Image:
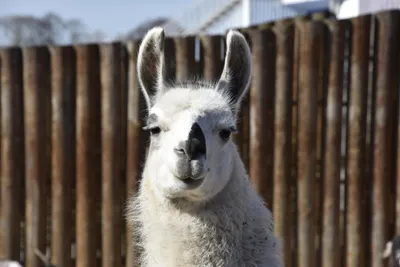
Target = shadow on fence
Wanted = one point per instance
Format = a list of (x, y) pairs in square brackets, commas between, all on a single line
[(318, 134)]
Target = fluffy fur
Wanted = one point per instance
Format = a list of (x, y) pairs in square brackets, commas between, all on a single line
[(392, 251), (218, 220)]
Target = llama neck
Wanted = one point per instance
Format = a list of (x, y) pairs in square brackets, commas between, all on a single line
[(238, 185)]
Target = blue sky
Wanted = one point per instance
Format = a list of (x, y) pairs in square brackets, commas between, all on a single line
[(110, 16)]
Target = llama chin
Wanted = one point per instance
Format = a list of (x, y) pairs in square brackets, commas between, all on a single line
[(196, 205)]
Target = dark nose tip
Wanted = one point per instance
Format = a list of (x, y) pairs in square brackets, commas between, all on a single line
[(195, 146)]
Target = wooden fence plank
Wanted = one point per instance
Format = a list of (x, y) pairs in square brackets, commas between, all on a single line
[(1, 218), (170, 60), (397, 174), (37, 107), (111, 153), (185, 58), (262, 112), (356, 144), (124, 142), (0, 140), (211, 53), (283, 136), (333, 115), (387, 79), (63, 153), (309, 33), (88, 155), (12, 152), (344, 144), (295, 141), (136, 145), (322, 49), (369, 146)]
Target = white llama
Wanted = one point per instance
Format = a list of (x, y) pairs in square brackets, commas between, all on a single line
[(392, 251), (195, 206)]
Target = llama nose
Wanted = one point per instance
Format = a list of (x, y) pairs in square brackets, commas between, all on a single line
[(195, 146)]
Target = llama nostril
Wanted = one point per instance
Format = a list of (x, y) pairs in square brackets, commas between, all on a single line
[(180, 151), (191, 149), (197, 142)]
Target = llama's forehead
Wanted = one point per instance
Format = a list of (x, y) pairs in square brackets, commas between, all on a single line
[(201, 99), (193, 103)]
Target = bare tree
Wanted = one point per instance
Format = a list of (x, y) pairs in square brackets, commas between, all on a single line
[(47, 30), (76, 31)]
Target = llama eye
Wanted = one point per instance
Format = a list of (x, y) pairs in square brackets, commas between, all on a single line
[(155, 130), (225, 134)]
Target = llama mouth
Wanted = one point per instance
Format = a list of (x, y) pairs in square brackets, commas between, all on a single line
[(192, 182)]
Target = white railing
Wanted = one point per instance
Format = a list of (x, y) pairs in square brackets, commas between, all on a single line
[(204, 12)]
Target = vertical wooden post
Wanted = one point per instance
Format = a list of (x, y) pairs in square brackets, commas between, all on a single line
[(136, 146), (333, 118), (37, 97), (111, 153), (88, 155), (387, 80), (185, 60), (283, 136), (309, 32), (12, 152), (170, 60), (211, 54), (262, 112), (356, 142), (63, 153), (124, 65)]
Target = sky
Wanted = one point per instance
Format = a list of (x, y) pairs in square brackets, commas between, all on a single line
[(112, 17)]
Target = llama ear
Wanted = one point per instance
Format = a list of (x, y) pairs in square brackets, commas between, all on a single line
[(235, 78), (151, 64)]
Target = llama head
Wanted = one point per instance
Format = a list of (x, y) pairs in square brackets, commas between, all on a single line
[(191, 154)]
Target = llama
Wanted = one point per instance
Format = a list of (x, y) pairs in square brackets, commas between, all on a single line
[(9, 264), (195, 204), (392, 251)]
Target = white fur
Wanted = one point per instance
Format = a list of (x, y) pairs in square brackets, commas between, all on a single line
[(9, 264), (388, 250), (392, 251), (222, 222)]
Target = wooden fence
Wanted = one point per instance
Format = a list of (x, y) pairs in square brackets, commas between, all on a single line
[(318, 134)]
